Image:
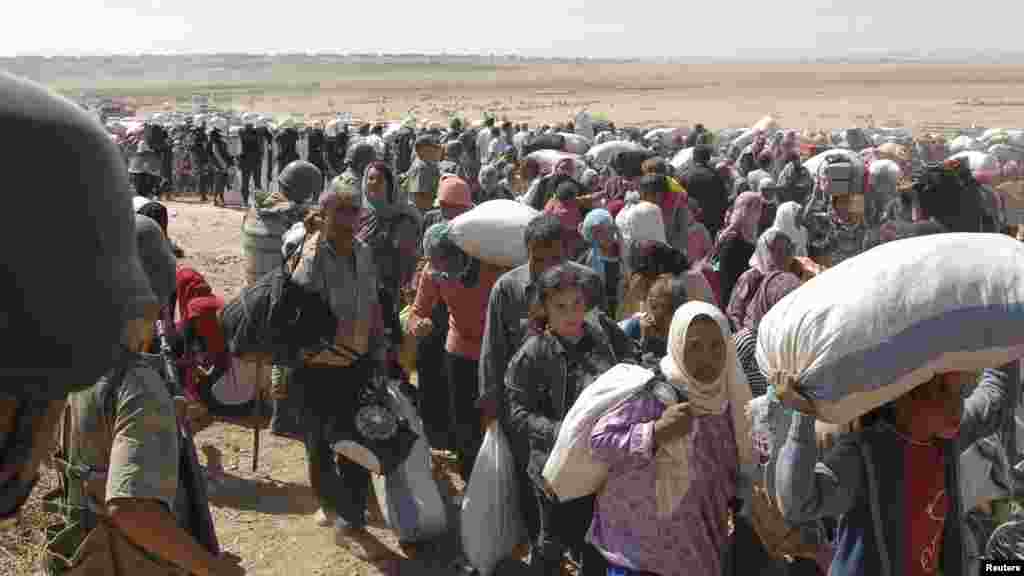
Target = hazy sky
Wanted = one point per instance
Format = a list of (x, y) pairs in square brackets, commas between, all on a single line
[(597, 28)]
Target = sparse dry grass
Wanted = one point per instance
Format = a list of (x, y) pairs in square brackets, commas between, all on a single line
[(22, 543)]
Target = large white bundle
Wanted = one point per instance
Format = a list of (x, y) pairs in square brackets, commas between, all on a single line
[(493, 232), (575, 143), (547, 159), (767, 125), (979, 162), (682, 160), (881, 323), (963, 143), (571, 471), (603, 153)]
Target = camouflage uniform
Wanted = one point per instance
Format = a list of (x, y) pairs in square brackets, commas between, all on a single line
[(835, 239), (121, 443)]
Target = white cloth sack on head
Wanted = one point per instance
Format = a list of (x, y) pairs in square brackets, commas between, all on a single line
[(492, 526), (603, 153), (683, 159), (571, 471), (493, 232), (877, 325), (575, 143)]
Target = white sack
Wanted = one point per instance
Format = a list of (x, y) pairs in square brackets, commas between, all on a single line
[(682, 160), (574, 143), (877, 325), (492, 526), (603, 153), (962, 143), (571, 471), (978, 161), (766, 125), (493, 232), (547, 159)]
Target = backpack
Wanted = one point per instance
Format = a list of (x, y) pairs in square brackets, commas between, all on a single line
[(277, 316)]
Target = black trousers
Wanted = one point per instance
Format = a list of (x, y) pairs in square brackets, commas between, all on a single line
[(249, 171), (330, 400), (220, 184), (564, 526), (465, 416), (205, 183), (432, 382)]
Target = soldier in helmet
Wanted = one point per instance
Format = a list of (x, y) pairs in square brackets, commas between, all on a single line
[(251, 159)]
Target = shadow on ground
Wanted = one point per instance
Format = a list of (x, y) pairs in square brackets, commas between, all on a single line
[(265, 496)]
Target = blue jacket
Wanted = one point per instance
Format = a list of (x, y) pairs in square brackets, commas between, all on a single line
[(848, 485)]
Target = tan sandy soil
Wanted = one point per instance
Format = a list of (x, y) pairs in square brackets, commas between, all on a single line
[(815, 96)]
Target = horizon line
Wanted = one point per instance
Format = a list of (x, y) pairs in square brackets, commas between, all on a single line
[(880, 57)]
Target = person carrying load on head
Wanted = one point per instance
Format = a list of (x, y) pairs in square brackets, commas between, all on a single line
[(463, 284)]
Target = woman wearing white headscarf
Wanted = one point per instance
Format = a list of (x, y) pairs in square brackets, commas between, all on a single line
[(787, 220), (675, 452)]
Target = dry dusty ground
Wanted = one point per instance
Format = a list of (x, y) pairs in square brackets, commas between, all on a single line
[(812, 96)]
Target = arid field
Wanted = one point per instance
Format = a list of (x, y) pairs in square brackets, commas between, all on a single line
[(267, 517)]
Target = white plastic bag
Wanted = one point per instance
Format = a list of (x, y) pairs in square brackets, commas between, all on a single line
[(877, 325), (493, 232), (571, 471), (491, 523)]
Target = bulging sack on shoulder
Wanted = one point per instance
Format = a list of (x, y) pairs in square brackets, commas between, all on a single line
[(877, 325), (493, 232), (571, 471)]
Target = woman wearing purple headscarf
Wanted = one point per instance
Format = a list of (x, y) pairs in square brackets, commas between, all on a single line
[(735, 244), (772, 256)]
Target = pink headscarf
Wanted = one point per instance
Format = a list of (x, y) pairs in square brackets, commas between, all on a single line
[(745, 217)]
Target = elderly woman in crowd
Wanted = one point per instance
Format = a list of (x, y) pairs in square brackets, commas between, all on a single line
[(773, 256)]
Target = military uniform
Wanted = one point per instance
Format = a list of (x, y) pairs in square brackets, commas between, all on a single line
[(833, 240), (120, 441)]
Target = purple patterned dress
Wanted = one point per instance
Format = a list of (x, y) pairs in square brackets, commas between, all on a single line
[(627, 528)]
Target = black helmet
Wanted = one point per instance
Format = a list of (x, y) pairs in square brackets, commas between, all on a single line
[(300, 181)]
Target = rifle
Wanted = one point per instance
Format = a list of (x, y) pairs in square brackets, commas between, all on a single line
[(191, 504)]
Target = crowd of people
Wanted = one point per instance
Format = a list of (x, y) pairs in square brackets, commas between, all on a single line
[(634, 262)]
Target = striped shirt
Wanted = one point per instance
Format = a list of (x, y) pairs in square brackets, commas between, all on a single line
[(746, 348)]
